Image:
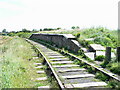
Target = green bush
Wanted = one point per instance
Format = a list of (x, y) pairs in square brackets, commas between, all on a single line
[(85, 43), (115, 68), (104, 64), (23, 34), (11, 34), (101, 76), (100, 58), (114, 84), (81, 52), (76, 61), (20, 34), (91, 69), (77, 35), (103, 41)]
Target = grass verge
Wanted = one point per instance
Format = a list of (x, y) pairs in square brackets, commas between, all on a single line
[(17, 64)]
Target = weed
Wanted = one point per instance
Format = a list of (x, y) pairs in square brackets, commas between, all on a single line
[(17, 70), (114, 84), (101, 76), (100, 58), (115, 67)]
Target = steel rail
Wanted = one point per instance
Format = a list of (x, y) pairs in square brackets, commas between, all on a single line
[(50, 66), (108, 73)]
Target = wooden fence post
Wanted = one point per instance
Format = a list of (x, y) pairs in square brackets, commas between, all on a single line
[(118, 54), (108, 54)]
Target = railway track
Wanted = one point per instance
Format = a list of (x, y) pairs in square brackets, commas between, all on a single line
[(66, 72)]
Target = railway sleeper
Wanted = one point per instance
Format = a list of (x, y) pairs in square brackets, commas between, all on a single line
[(67, 77)]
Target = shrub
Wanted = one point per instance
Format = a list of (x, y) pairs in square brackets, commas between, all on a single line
[(81, 52), (77, 61), (82, 42), (11, 34), (77, 35), (114, 84), (115, 68), (85, 43), (105, 41), (101, 76), (100, 58), (23, 34), (91, 69)]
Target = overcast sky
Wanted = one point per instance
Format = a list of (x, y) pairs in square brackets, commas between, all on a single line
[(36, 14)]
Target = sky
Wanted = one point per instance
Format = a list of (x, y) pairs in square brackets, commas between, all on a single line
[(36, 14)]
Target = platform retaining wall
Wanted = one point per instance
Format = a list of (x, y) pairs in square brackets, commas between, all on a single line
[(62, 40)]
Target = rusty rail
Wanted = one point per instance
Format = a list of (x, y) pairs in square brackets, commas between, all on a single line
[(108, 73)]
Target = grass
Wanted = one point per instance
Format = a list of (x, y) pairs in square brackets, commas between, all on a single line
[(114, 67), (102, 35), (16, 63)]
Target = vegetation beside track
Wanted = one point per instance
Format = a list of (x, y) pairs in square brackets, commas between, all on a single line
[(17, 64), (98, 74), (101, 36)]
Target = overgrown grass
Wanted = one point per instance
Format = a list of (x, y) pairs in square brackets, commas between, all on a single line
[(102, 36), (114, 67), (21, 34), (100, 58), (17, 68)]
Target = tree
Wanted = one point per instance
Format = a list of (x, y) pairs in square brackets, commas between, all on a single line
[(4, 31), (25, 30), (58, 28), (73, 27), (34, 30), (77, 27), (40, 29)]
